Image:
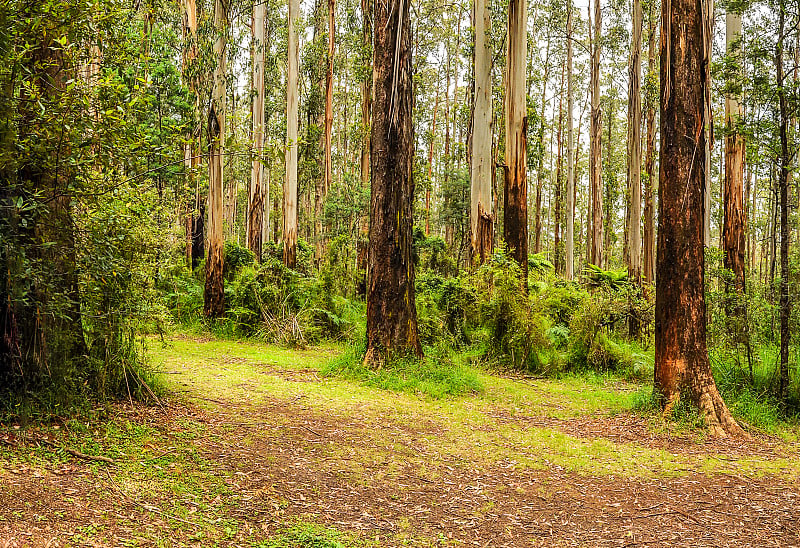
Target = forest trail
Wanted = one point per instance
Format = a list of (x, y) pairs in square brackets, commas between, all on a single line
[(259, 450)]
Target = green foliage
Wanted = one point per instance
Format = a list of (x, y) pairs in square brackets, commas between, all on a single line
[(435, 376), (596, 277), (306, 535), (235, 258)]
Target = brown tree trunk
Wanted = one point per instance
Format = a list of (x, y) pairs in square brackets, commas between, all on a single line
[(391, 304), (635, 151), (430, 163), (569, 230), (515, 190), (558, 246), (783, 189), (681, 357), (648, 240), (366, 116), (537, 239), (733, 227), (214, 295), (595, 146)]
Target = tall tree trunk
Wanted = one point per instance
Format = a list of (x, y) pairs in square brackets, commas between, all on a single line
[(191, 156), (785, 161), (255, 203), (569, 233), (708, 38), (537, 239), (649, 241), (595, 146), (292, 96), (635, 149), (430, 163), (515, 190), (391, 305), (558, 246), (366, 117), (481, 219), (681, 356), (214, 295), (733, 227)]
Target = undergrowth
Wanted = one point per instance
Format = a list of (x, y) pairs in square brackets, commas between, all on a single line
[(435, 376)]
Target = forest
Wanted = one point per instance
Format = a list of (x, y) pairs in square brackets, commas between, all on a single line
[(399, 272)]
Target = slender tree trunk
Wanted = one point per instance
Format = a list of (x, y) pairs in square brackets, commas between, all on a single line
[(733, 227), (595, 146), (708, 38), (569, 234), (515, 191), (430, 163), (255, 205), (191, 152), (214, 295), (558, 246), (391, 305), (366, 116), (785, 161), (327, 142), (635, 148), (481, 219), (537, 240), (649, 241), (681, 356), (292, 95)]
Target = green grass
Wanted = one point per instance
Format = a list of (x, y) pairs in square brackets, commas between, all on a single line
[(309, 535), (434, 376)]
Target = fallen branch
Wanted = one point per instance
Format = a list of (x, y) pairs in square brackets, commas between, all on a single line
[(78, 454)]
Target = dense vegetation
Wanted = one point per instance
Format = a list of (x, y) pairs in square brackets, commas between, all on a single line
[(104, 132)]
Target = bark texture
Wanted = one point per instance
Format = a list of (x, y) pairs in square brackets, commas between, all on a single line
[(649, 240), (258, 190), (569, 230), (733, 227), (481, 220), (595, 145), (635, 148), (214, 295), (391, 305), (292, 120), (681, 357), (515, 190)]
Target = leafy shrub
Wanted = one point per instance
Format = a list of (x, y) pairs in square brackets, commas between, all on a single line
[(235, 258)]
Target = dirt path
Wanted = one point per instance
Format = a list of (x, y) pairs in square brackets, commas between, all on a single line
[(227, 472)]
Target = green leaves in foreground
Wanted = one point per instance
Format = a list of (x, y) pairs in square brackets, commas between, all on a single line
[(306, 535), (433, 376)]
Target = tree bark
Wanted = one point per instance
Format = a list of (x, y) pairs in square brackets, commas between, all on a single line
[(214, 295), (366, 116), (733, 227), (255, 203), (635, 148), (481, 219), (569, 233), (595, 146), (292, 96), (391, 305), (537, 225), (515, 190), (681, 355), (785, 160), (649, 241)]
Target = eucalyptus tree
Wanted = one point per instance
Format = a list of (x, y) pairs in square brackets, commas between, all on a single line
[(258, 189), (214, 294), (515, 190), (595, 146), (569, 232), (634, 158), (391, 304), (481, 219), (651, 100), (292, 122), (682, 365)]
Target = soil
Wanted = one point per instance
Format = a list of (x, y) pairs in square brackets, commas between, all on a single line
[(283, 460)]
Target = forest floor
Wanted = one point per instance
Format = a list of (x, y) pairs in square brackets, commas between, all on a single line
[(253, 448)]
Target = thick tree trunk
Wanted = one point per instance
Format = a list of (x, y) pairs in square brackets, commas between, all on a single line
[(391, 304), (569, 232), (515, 190), (292, 96), (595, 146), (481, 219), (635, 149), (214, 295), (733, 227), (255, 203), (681, 357), (649, 241)]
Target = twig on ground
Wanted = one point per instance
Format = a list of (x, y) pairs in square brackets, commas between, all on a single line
[(78, 454)]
